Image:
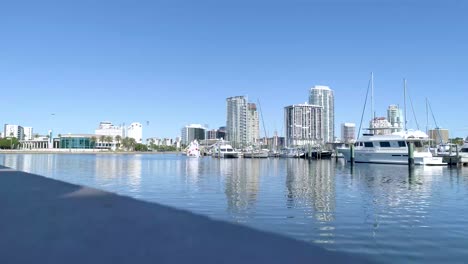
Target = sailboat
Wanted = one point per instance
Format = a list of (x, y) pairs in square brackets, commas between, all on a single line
[(393, 148)]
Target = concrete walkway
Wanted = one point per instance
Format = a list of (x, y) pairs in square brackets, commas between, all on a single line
[(48, 221)]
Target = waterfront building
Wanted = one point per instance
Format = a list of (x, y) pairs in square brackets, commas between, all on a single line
[(78, 141), (28, 133), (439, 135), (135, 131), (106, 128), (253, 127), (323, 96), (211, 134), (192, 132), (395, 118), (236, 121), (15, 131), (303, 123), (381, 126), (348, 132), (242, 122)]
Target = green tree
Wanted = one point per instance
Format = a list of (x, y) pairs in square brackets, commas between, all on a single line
[(102, 139), (93, 141), (141, 147), (118, 139), (109, 140)]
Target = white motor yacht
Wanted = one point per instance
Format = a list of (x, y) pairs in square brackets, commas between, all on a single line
[(392, 149)]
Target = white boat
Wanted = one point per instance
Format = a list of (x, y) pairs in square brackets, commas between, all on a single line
[(464, 153), (292, 153), (392, 149), (193, 150), (224, 150), (258, 153)]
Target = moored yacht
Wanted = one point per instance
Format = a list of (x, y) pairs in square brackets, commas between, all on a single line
[(392, 149), (464, 153), (193, 150), (224, 150)]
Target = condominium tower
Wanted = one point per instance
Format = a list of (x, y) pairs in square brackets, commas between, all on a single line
[(348, 132), (241, 121), (192, 132), (323, 96), (395, 117), (303, 123)]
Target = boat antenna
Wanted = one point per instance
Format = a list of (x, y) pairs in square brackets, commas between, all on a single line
[(364, 108), (404, 102), (427, 118)]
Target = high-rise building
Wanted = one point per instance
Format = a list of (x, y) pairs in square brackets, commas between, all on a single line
[(13, 131), (253, 127), (135, 131), (395, 117), (28, 133), (439, 135), (381, 126), (211, 134), (192, 132), (303, 123), (221, 133), (348, 132), (242, 122), (323, 96)]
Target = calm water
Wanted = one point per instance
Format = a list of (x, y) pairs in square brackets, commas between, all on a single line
[(377, 210)]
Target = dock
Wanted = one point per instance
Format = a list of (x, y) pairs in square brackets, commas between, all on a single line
[(48, 221)]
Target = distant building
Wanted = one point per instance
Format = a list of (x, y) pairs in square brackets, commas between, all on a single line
[(211, 134), (192, 132), (348, 132), (106, 128), (15, 131), (253, 127), (303, 123), (381, 126), (323, 96), (79, 141), (135, 131), (221, 133), (236, 120), (439, 135), (395, 118), (28, 133)]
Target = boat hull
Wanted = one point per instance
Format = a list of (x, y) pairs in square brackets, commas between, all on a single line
[(420, 158)]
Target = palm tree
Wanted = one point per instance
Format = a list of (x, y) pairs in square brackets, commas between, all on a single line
[(118, 138), (102, 139), (125, 143), (93, 141), (109, 139), (132, 143)]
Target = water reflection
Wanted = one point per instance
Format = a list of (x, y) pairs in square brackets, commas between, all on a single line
[(242, 185), (311, 186)]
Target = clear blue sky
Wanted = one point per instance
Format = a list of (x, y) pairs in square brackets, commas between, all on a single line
[(174, 62)]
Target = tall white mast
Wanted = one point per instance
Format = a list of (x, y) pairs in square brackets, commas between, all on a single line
[(372, 102), (404, 94)]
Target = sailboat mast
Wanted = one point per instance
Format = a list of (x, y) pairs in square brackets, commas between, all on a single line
[(404, 94), (372, 102), (427, 119)]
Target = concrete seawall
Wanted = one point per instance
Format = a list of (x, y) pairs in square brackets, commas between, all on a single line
[(47, 221)]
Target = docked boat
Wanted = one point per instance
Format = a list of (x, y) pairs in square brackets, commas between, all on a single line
[(193, 150), (464, 153), (257, 153), (392, 149), (224, 150), (292, 153)]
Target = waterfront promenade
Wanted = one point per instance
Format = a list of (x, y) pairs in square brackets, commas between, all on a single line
[(48, 221)]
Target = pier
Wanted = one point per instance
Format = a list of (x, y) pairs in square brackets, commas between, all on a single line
[(48, 221)]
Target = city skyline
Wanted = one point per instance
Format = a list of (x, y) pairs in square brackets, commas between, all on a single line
[(68, 66)]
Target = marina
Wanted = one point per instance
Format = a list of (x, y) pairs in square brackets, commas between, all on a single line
[(368, 209)]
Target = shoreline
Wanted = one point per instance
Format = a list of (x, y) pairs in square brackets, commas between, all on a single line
[(66, 151)]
